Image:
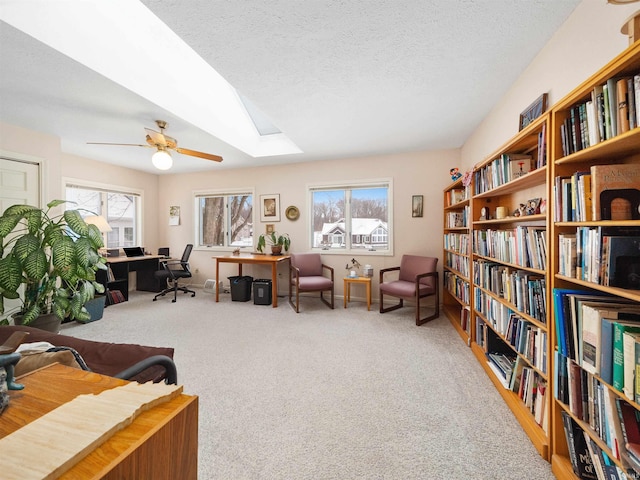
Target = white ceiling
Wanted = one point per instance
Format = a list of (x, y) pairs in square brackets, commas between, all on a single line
[(341, 79)]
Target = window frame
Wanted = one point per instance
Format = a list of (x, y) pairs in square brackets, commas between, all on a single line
[(348, 186), (69, 182), (223, 192)]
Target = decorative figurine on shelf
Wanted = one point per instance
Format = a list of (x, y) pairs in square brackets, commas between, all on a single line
[(466, 178), (455, 174), (520, 211), (533, 206), (351, 268)]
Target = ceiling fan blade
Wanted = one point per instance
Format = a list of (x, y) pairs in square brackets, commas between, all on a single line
[(118, 144), (157, 137), (194, 153)]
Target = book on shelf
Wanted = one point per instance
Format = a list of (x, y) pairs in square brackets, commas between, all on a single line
[(621, 261), (629, 419), (615, 191), (622, 92), (579, 455), (631, 355)]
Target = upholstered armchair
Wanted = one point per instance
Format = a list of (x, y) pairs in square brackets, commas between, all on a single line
[(307, 274), (417, 279)]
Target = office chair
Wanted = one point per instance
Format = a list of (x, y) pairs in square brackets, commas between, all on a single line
[(307, 275), (417, 279), (172, 275)]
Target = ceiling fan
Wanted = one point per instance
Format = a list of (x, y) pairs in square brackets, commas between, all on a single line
[(163, 143)]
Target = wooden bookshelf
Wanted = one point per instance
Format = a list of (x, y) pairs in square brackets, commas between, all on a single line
[(623, 148), (495, 185), (456, 257)]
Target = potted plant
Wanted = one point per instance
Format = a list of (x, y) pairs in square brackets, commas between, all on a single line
[(53, 258), (277, 241)]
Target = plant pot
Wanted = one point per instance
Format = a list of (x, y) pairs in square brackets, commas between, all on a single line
[(48, 322), (276, 249)]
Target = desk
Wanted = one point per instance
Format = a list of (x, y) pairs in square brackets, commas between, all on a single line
[(347, 289), (272, 260), (145, 268), (161, 443)]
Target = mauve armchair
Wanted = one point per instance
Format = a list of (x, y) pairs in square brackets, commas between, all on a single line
[(307, 274), (417, 279)]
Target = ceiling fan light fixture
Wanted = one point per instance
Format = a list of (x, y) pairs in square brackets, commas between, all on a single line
[(162, 160)]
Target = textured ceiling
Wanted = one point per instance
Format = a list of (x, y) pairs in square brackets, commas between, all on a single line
[(341, 79)]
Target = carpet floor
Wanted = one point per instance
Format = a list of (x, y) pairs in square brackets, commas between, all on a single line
[(327, 394)]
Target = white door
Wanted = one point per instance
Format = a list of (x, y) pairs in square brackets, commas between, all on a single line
[(19, 183)]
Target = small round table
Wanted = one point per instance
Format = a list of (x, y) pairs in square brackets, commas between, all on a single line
[(347, 289)]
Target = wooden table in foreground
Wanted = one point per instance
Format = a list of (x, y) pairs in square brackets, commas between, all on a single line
[(272, 260), (161, 443), (366, 281)]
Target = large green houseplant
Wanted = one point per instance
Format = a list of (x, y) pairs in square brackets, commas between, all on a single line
[(55, 259), (277, 241)]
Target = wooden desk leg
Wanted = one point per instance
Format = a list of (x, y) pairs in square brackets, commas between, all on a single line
[(369, 295), (274, 284), (344, 294), (217, 280)]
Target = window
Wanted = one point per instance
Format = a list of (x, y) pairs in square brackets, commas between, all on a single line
[(352, 217), (224, 219), (120, 208)]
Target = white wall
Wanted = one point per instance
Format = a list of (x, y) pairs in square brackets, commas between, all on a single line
[(425, 173), (587, 41)]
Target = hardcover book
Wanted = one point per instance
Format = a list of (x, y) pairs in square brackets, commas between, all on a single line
[(615, 192)]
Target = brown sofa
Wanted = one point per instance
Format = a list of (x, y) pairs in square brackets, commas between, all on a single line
[(129, 361)]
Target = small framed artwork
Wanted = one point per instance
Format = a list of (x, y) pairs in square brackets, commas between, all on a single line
[(416, 205), (270, 208), (270, 228), (533, 111)]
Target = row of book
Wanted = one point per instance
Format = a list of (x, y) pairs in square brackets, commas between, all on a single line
[(115, 296), (608, 256), (504, 169), (110, 276), (457, 286), (612, 109), (523, 246), (458, 263), (524, 290), (590, 462), (514, 373), (457, 242), (502, 320), (599, 333), (456, 195), (604, 192), (457, 219)]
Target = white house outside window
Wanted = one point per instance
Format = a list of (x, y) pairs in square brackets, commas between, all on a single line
[(352, 217)]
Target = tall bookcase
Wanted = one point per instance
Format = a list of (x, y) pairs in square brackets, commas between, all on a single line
[(457, 258), (623, 148), (509, 320)]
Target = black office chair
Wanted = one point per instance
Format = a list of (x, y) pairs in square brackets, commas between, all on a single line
[(171, 274)]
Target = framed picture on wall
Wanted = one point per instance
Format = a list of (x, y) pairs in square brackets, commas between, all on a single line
[(416, 205), (270, 208)]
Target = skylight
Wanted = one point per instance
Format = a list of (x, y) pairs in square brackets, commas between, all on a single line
[(125, 42)]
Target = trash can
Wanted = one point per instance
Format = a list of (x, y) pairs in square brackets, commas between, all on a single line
[(240, 288), (262, 291)]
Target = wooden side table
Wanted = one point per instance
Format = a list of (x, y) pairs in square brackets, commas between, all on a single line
[(347, 289)]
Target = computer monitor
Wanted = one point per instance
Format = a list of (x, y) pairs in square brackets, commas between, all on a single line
[(133, 251)]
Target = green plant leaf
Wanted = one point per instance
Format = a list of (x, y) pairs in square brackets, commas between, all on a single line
[(55, 203), (36, 265), (95, 236), (34, 221), (19, 209), (83, 250), (8, 223), (10, 274), (31, 314), (75, 222), (25, 246), (64, 259)]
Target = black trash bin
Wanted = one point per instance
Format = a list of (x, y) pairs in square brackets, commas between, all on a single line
[(240, 288), (262, 291)]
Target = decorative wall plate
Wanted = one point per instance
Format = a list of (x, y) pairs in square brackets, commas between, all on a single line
[(292, 213)]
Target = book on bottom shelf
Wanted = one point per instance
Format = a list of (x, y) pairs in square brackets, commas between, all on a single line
[(581, 460)]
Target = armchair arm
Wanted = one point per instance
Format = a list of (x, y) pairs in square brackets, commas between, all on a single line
[(385, 270), (330, 270), (428, 274), (142, 365)]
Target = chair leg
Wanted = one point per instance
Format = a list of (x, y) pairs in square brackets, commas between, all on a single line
[(436, 314), (325, 301), (392, 307), (295, 306)]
